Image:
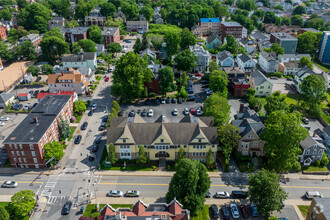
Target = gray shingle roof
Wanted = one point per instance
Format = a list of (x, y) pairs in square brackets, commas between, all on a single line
[(224, 55), (79, 57), (109, 30), (4, 97), (259, 36), (259, 78), (244, 57), (324, 204), (268, 56), (248, 124), (212, 37), (245, 40), (309, 142)]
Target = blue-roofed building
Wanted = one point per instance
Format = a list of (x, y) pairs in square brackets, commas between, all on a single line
[(210, 20), (324, 51), (209, 25)]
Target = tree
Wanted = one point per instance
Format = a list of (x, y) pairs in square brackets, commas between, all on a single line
[(172, 41), (87, 45), (218, 107), (4, 51), (27, 50), (22, 204), (53, 149), (187, 39), (79, 107), (73, 23), (248, 5), (83, 8), (108, 9), (15, 34), (213, 66), (114, 48), (305, 61), (209, 159), (297, 20), (232, 44), (112, 154), (229, 2), (307, 43), (181, 154), (137, 46), (61, 7), (218, 82), (142, 155), (270, 17), (220, 10), (4, 215), (130, 75), (64, 128), (286, 21), (76, 48), (145, 42), (277, 49), (95, 34), (324, 160), (6, 15), (34, 16), (34, 70), (147, 12), (265, 191), (130, 9), (316, 23), (299, 10), (278, 7), (47, 69), (22, 3), (186, 60), (283, 134), (189, 185), (228, 139), (275, 102), (166, 76), (115, 105), (313, 91)]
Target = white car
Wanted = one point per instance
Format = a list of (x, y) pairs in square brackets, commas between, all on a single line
[(124, 50), (198, 112), (9, 184), (234, 210), (4, 118), (150, 113), (208, 92), (111, 69), (222, 195), (175, 112), (186, 111), (115, 193), (27, 106), (94, 106), (2, 123)]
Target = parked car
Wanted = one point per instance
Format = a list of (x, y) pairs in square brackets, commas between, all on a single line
[(163, 100), (208, 195), (31, 92), (168, 100), (16, 106), (150, 113), (94, 106), (305, 120), (180, 100), (105, 119), (191, 98), (4, 118), (225, 212), (313, 194), (84, 126), (222, 195), (91, 157), (107, 79), (238, 194), (198, 112), (175, 112), (78, 139), (144, 113), (115, 193), (132, 113), (186, 111), (244, 210), (208, 91), (66, 208), (148, 102), (132, 193), (190, 90), (173, 100), (157, 100), (36, 92), (27, 106), (214, 211), (192, 111), (2, 123), (111, 69), (9, 184), (102, 127), (254, 210), (98, 139), (90, 113), (120, 113), (95, 148), (234, 210), (34, 105)]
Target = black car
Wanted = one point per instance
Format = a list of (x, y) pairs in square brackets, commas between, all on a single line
[(105, 119), (144, 113), (84, 126), (95, 148), (168, 100), (66, 208), (132, 113), (98, 139), (157, 100), (180, 100), (34, 105), (121, 113), (36, 92), (207, 195), (91, 157), (78, 139), (191, 98), (174, 100), (225, 212), (90, 113), (102, 127), (138, 112), (148, 102), (31, 92), (238, 194), (214, 211)]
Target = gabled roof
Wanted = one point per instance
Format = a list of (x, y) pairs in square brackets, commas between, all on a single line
[(269, 56), (244, 58), (212, 37), (4, 97), (259, 36), (224, 55), (246, 40), (327, 130), (309, 142), (259, 78), (248, 124)]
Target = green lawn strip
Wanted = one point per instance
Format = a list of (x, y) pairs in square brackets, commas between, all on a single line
[(304, 209), (202, 214), (71, 131), (315, 168), (91, 209), (325, 117), (78, 118), (98, 78), (323, 67)]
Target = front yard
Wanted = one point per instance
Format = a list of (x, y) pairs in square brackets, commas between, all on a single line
[(91, 209), (304, 210), (312, 168)]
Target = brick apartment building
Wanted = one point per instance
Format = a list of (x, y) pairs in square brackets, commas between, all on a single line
[(75, 34), (34, 38), (231, 28), (25, 144), (110, 35), (3, 31)]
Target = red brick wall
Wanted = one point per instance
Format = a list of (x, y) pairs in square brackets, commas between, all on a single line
[(3, 33), (240, 90)]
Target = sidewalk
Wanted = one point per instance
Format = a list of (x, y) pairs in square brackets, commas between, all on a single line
[(37, 213)]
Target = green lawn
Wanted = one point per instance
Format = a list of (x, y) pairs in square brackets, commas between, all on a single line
[(314, 168), (202, 214), (304, 209), (290, 99), (72, 131), (91, 209), (98, 78), (132, 167)]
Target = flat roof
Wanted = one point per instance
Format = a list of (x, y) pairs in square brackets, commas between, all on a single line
[(12, 74), (284, 36), (231, 24)]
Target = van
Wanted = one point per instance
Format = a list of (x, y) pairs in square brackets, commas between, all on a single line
[(313, 194), (98, 139), (238, 194)]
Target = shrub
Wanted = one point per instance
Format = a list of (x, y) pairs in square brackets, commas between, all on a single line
[(296, 166), (154, 168), (324, 160)]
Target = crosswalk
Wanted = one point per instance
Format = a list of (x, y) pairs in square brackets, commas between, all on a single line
[(57, 199), (51, 183)]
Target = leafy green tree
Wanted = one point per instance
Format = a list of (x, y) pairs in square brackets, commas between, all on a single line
[(313, 91), (6, 15), (79, 107), (218, 82), (130, 9), (27, 50), (4, 51), (73, 23), (265, 191), (130, 75), (185, 61), (34, 16), (142, 155), (172, 41), (47, 69), (259, 13), (324, 160), (22, 204), (220, 10), (218, 107), (15, 34), (53, 149), (61, 7), (299, 10), (4, 215), (248, 5), (213, 66), (286, 21), (95, 34), (283, 134), (112, 154), (275, 102), (21, 3), (145, 42), (270, 17), (276, 48), (64, 128), (115, 106), (231, 45), (34, 70), (147, 12), (316, 23), (305, 61), (166, 76), (187, 39), (76, 48), (229, 2), (209, 159), (83, 8), (113, 23), (108, 9), (137, 46), (114, 48), (297, 20), (181, 154), (308, 43), (87, 45), (228, 139), (189, 185), (182, 93), (278, 7)]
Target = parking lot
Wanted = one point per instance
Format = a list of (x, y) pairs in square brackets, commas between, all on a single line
[(282, 84)]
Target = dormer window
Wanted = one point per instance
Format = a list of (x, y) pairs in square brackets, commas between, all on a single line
[(199, 140), (124, 140), (161, 140)]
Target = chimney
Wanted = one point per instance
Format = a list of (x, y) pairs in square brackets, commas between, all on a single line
[(241, 108), (314, 134), (35, 119), (244, 121)]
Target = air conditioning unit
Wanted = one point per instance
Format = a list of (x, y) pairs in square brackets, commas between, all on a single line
[(163, 217)]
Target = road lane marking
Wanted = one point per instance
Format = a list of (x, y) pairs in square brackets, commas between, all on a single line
[(27, 182), (164, 184)]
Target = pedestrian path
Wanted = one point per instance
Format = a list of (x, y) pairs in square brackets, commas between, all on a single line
[(57, 199), (51, 183)]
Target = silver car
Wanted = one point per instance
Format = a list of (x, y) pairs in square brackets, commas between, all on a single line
[(186, 111), (9, 184), (222, 195), (175, 112), (115, 193)]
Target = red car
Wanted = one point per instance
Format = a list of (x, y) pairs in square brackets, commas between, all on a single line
[(192, 111), (244, 210), (107, 79)]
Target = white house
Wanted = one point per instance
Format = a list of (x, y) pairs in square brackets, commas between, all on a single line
[(302, 74), (248, 45), (262, 85), (225, 59), (291, 57), (268, 62), (289, 68), (203, 56), (312, 151), (85, 62), (246, 63)]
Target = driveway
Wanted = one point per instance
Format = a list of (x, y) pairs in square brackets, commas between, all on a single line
[(282, 84)]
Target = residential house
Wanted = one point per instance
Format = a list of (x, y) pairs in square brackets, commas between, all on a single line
[(264, 44), (42, 95), (25, 145), (137, 26), (150, 54), (248, 45), (286, 41), (209, 24), (231, 28), (56, 22), (318, 209), (312, 151), (34, 38), (268, 62), (196, 30), (84, 62), (326, 136), (110, 35), (289, 68), (234, 73), (213, 41), (258, 36), (100, 49), (262, 85), (141, 210), (286, 6), (291, 57), (225, 59), (159, 21), (303, 30), (68, 80), (246, 63), (240, 87), (13, 74), (75, 34), (162, 139), (302, 74), (120, 15), (324, 51), (203, 57), (6, 99), (95, 18)]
